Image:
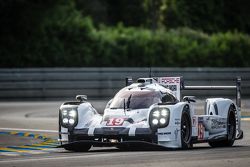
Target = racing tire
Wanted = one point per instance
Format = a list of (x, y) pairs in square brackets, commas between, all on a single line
[(231, 131), (82, 148), (186, 129)]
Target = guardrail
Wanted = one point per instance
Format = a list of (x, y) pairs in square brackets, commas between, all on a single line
[(102, 83)]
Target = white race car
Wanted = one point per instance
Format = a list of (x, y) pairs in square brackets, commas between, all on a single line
[(149, 113)]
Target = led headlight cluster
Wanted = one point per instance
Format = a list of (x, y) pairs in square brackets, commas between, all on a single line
[(69, 117), (159, 117)]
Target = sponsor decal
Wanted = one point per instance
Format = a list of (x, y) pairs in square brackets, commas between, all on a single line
[(172, 83), (172, 87), (176, 132), (200, 119), (166, 133), (177, 121), (170, 80), (194, 122), (218, 123), (201, 131), (115, 122)]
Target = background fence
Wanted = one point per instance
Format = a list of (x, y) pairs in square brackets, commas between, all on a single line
[(102, 83)]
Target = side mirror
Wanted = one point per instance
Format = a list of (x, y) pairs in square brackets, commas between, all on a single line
[(108, 104), (81, 98), (189, 99)]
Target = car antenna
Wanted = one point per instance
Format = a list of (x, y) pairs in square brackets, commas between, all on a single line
[(150, 72), (124, 107)]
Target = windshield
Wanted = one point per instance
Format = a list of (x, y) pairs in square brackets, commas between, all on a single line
[(135, 99)]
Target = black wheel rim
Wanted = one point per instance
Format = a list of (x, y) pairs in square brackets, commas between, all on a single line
[(185, 128)]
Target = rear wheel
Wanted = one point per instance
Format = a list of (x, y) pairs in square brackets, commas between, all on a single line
[(186, 129), (231, 131)]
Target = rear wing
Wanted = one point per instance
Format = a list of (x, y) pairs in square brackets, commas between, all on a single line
[(176, 84)]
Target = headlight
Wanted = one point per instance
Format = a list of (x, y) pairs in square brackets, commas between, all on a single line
[(65, 121), (159, 117), (155, 121), (68, 117), (162, 121), (64, 112), (164, 112), (72, 113), (71, 121), (156, 113)]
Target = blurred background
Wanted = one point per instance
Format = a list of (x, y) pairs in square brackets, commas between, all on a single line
[(104, 33), (57, 48)]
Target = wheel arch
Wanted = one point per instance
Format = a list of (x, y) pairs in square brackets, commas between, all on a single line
[(219, 106)]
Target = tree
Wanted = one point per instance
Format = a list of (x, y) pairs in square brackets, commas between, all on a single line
[(209, 16)]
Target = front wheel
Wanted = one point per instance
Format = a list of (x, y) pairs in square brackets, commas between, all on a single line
[(78, 148), (186, 129), (231, 131)]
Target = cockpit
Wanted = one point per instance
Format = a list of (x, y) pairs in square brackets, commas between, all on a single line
[(130, 99)]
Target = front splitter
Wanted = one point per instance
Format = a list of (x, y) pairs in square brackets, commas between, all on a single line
[(141, 145)]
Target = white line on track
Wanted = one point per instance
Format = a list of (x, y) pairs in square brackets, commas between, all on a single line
[(245, 119), (30, 130)]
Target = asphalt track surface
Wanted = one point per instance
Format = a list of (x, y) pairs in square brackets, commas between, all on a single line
[(28, 138)]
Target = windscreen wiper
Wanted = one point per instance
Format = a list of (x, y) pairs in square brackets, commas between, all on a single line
[(124, 107), (128, 101)]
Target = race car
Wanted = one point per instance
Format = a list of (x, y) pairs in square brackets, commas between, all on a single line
[(151, 113)]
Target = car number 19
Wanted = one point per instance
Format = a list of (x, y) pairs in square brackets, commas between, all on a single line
[(115, 122)]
